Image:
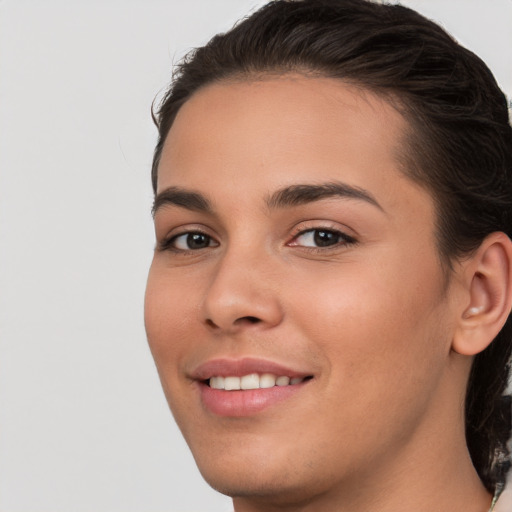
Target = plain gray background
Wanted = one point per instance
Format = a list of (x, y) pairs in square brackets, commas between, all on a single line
[(83, 423)]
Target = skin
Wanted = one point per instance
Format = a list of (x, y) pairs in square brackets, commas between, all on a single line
[(380, 425)]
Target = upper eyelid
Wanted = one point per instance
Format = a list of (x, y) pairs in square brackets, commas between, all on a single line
[(188, 228), (320, 228), (326, 225)]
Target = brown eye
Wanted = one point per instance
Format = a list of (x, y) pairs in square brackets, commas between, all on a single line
[(326, 238), (321, 238), (192, 241)]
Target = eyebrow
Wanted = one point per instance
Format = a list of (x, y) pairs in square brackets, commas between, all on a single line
[(177, 196), (296, 195), (293, 195)]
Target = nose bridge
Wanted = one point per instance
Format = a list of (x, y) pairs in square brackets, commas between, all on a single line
[(242, 290)]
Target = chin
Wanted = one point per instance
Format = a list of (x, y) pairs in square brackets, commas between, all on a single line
[(262, 488), (274, 479), (242, 474)]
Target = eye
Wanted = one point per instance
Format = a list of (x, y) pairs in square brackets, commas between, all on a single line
[(190, 241), (321, 238)]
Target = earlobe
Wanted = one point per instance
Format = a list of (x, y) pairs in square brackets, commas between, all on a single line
[(488, 280)]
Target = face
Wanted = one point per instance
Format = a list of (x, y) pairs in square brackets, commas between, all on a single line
[(295, 259)]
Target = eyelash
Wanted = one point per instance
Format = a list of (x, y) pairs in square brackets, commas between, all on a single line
[(344, 240), (168, 243)]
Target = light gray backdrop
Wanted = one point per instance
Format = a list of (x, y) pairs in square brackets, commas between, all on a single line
[(83, 423)]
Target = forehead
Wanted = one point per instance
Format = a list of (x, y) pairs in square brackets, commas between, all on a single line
[(277, 131)]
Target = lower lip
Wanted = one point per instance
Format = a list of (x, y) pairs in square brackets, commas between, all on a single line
[(245, 403)]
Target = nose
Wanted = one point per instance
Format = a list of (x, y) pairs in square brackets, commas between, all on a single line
[(243, 294)]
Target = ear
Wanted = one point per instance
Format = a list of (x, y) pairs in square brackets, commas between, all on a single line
[(488, 295)]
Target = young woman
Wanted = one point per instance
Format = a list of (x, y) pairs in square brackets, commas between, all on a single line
[(328, 304)]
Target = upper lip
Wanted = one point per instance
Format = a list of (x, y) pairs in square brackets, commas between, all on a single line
[(226, 367)]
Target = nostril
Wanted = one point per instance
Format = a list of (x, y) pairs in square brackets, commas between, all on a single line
[(249, 319), (239, 322)]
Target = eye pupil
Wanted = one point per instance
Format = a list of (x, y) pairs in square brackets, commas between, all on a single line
[(197, 241), (325, 238)]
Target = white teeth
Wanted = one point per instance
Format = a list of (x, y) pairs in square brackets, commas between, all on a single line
[(267, 380), (252, 381), (217, 382), (282, 381), (231, 383)]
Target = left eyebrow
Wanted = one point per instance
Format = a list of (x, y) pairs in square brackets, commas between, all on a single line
[(296, 195)]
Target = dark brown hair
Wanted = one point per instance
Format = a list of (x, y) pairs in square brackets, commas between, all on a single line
[(459, 146)]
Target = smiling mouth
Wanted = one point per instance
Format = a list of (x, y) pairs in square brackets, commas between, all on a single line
[(253, 381), (245, 387)]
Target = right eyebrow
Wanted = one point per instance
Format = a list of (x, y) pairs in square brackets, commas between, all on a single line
[(183, 198)]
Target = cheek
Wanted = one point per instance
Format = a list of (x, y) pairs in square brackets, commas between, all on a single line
[(383, 321), (381, 345), (169, 308)]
